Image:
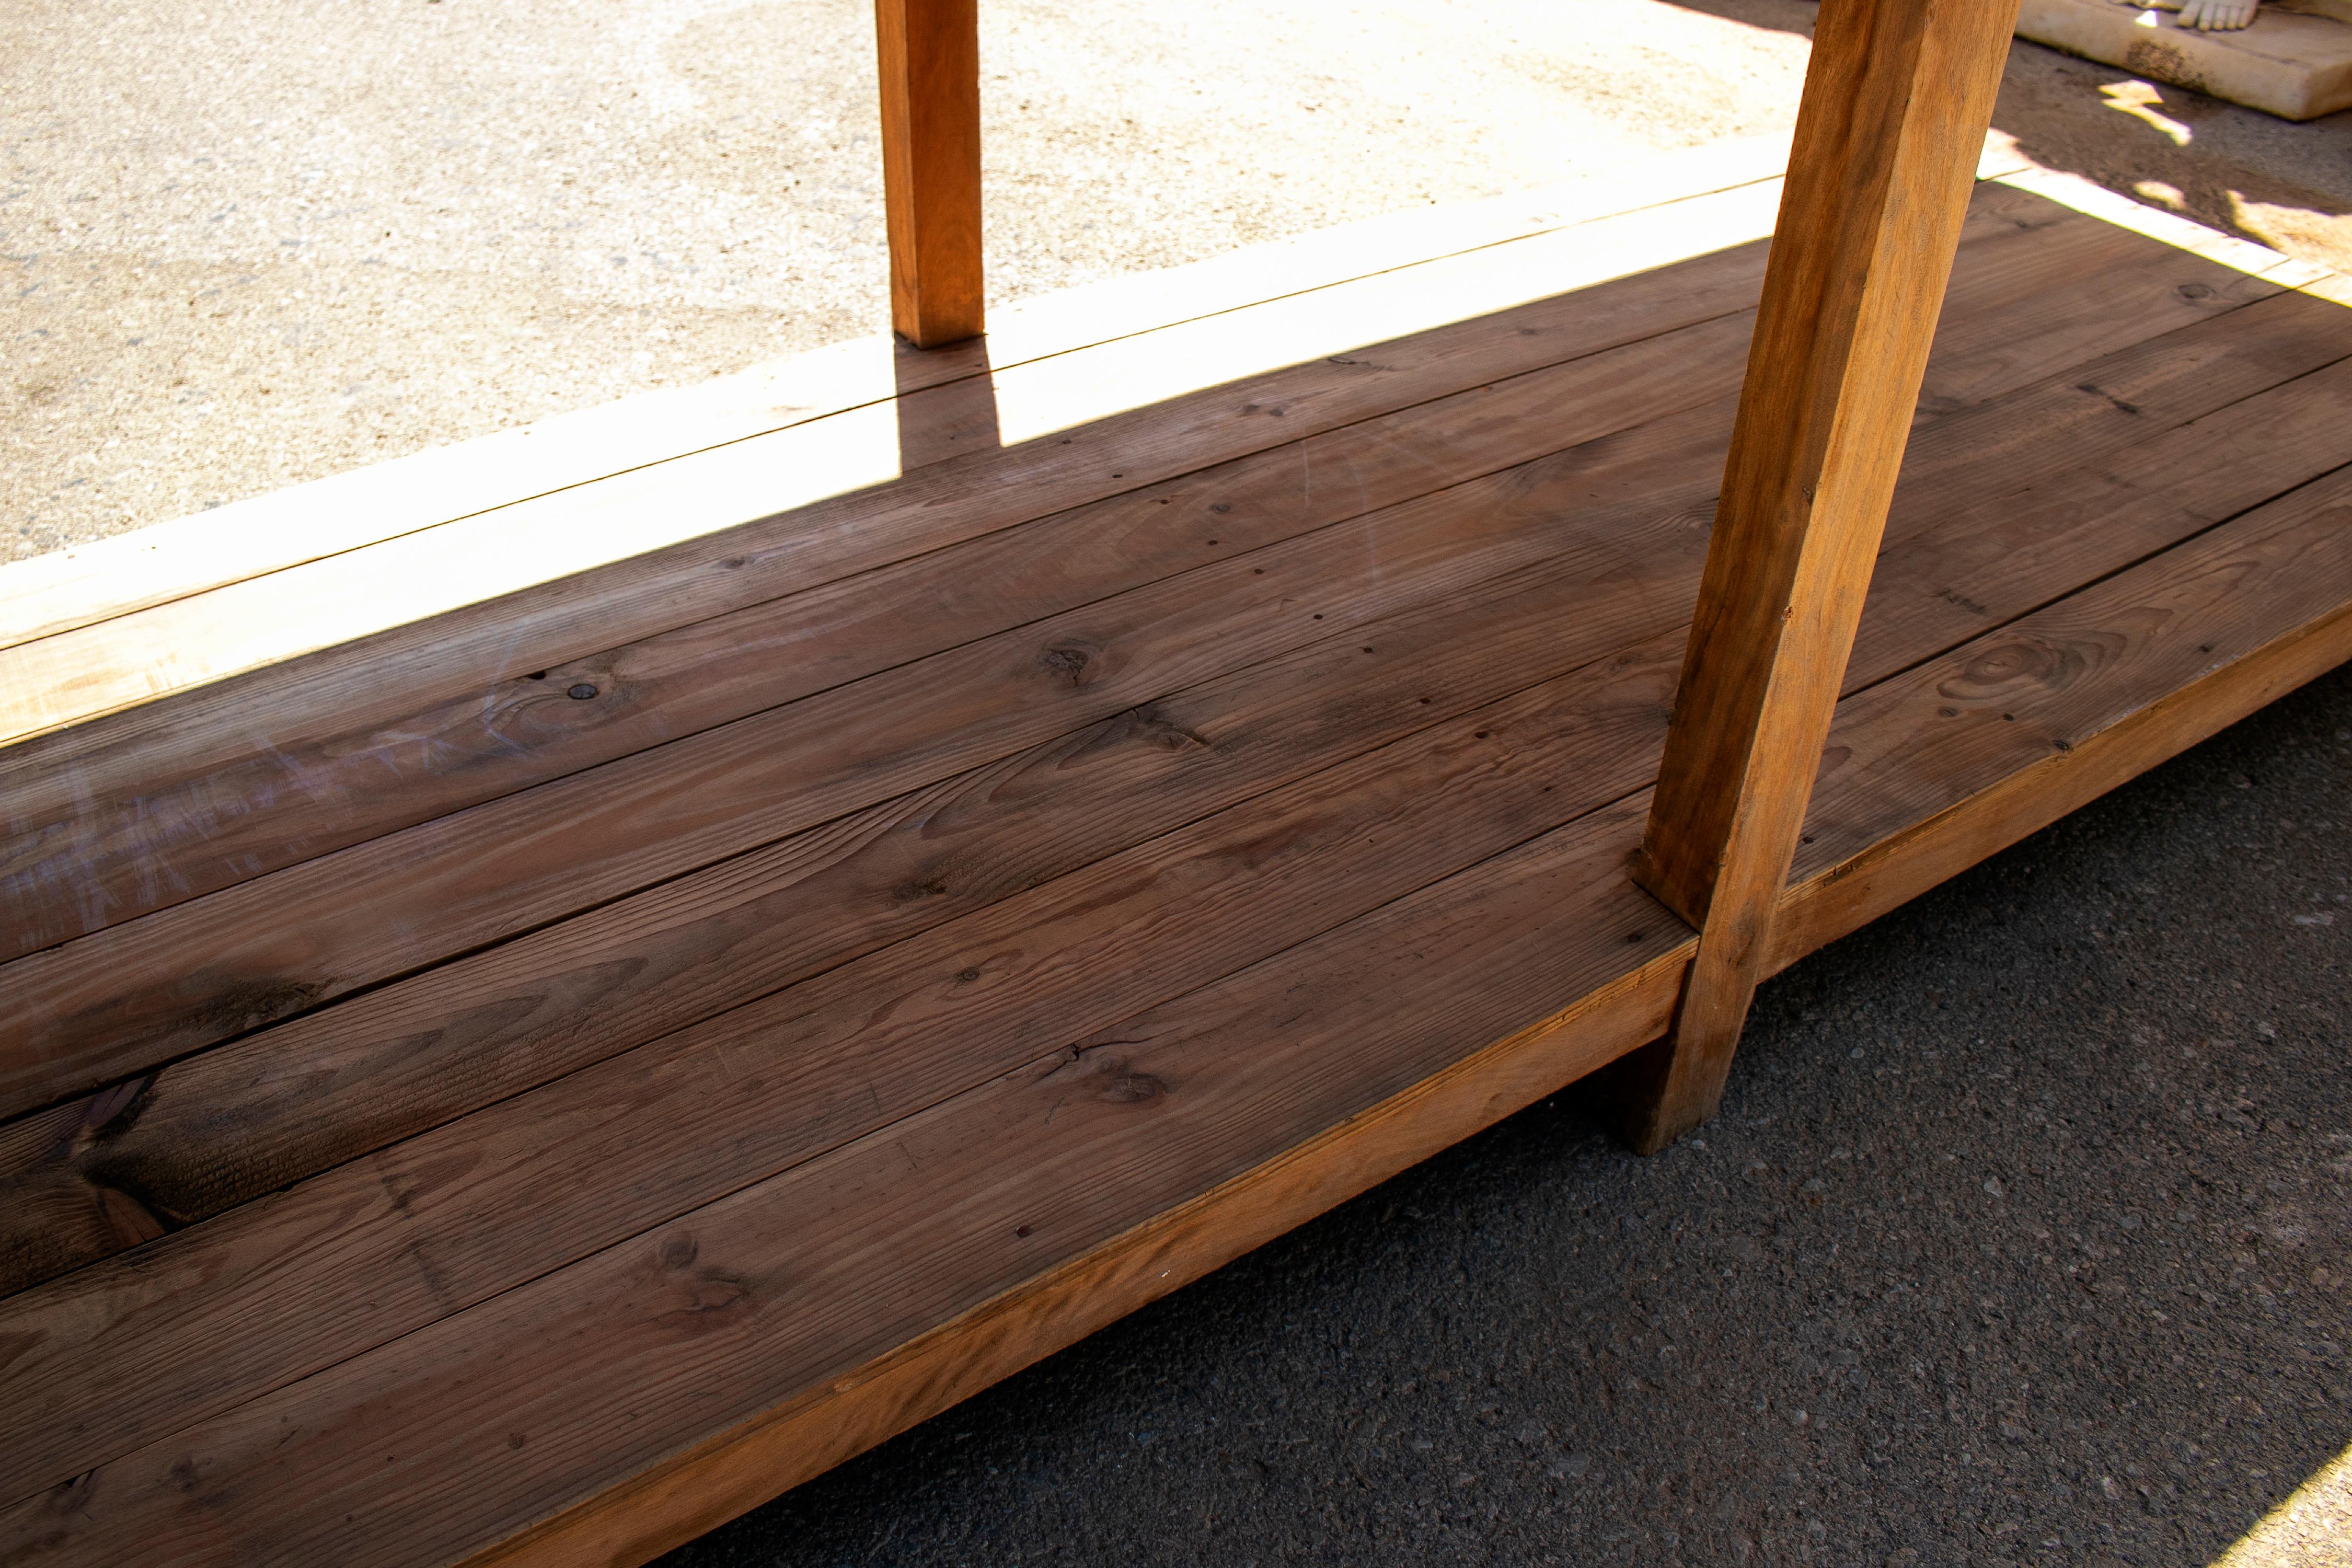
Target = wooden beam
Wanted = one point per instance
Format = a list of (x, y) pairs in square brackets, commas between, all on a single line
[(930, 165), (1897, 98)]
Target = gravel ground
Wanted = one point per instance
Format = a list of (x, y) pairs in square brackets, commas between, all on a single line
[(2022, 1236), (243, 245)]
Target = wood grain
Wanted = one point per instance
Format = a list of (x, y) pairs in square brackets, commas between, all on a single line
[(125, 816), (677, 1319), (674, 1501), (724, 1476), (86, 584), (1997, 555), (225, 1126), (227, 1498), (226, 978), (2183, 598), (1930, 771), (1897, 96), (93, 1010), (500, 1022), (291, 1283), (107, 825), (221, 1128), (929, 57), (627, 556)]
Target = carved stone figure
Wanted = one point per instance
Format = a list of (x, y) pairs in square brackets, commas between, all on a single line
[(2217, 16)]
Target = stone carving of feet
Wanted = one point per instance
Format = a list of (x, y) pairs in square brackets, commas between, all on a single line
[(2217, 16)]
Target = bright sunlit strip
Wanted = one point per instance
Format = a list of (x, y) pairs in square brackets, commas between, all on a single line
[(2311, 1528)]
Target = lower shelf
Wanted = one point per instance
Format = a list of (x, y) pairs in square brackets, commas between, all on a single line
[(1442, 996)]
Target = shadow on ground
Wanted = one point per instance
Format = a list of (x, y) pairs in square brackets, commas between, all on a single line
[(2238, 170), (2021, 1237)]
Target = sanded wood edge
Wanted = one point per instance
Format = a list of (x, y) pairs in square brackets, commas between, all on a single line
[(797, 1441), (1848, 896), (176, 559)]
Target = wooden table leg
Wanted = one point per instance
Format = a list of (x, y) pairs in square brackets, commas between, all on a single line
[(1896, 100), (929, 52)]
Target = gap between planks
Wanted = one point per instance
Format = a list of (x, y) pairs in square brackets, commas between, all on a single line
[(2081, 546), (535, 582), (252, 987), (147, 1153), (2281, 578)]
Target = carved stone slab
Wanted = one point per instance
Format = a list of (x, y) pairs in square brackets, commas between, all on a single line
[(2295, 61)]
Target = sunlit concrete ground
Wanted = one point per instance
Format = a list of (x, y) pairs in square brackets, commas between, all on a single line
[(250, 244), (254, 244)]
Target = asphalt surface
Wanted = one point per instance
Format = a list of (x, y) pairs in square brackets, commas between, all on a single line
[(2024, 1236)]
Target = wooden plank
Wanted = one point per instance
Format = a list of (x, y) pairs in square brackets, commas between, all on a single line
[(1334, 995), (175, 803), (426, 1033), (2299, 549), (76, 1000), (1999, 555), (2061, 293), (802, 506), (486, 1026), (221, 1127), (88, 584), (929, 56), (1214, 1114), (672, 1502), (249, 1130), (281, 1287), (1897, 95), (135, 994), (65, 1200), (2336, 523), (125, 816), (1938, 768)]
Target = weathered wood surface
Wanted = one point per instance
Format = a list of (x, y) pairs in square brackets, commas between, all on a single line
[(85, 584), (724, 1316), (87, 1179), (70, 1192), (531, 1182), (714, 1481), (222, 1128), (562, 576), (2162, 638), (1934, 770), (214, 970), (121, 816), (492, 1200), (887, 981), (1998, 504), (411, 899), (118, 817), (1897, 96)]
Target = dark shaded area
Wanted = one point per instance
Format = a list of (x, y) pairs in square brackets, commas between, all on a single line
[(2022, 1237)]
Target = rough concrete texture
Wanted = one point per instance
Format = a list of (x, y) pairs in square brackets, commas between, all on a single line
[(2024, 1236), (254, 244)]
